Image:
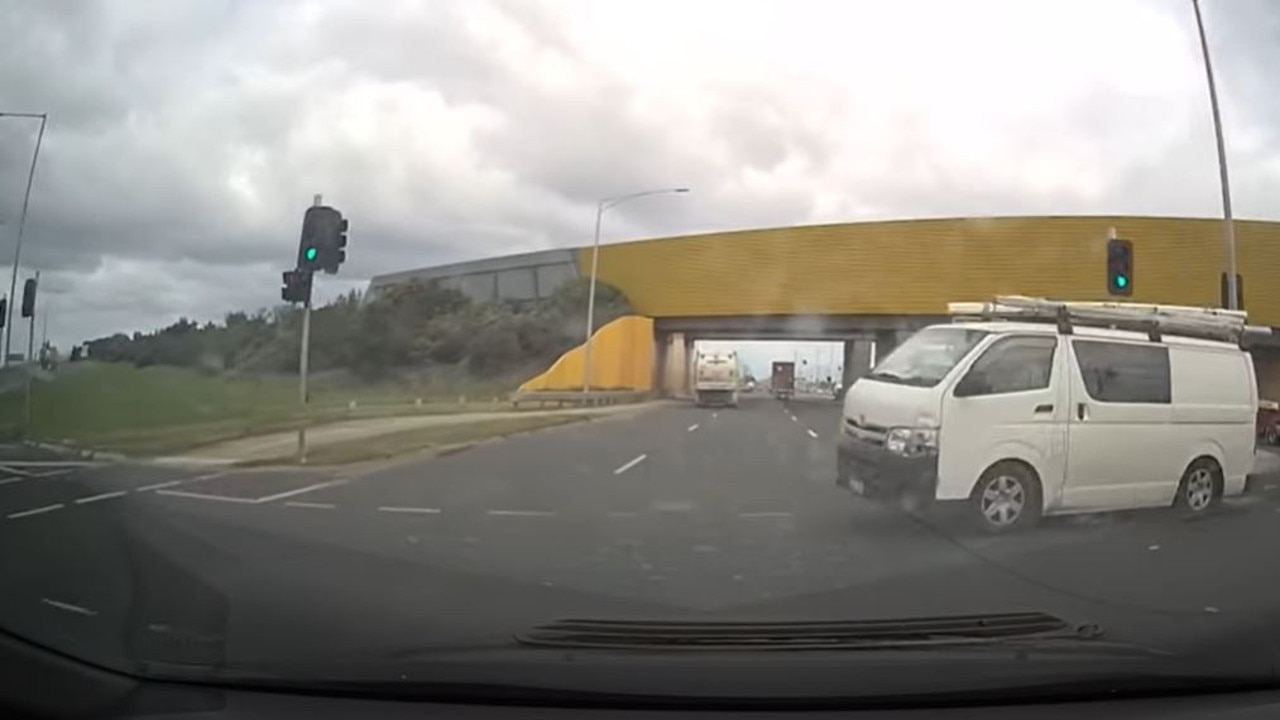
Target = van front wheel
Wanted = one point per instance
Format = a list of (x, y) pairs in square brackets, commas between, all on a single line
[(1007, 498)]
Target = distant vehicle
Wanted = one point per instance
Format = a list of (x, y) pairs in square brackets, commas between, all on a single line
[(783, 379), (837, 391), (749, 386), (715, 379), (1052, 407), (1269, 421)]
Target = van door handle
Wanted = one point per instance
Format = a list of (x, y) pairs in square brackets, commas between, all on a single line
[(1044, 408), (1080, 411)]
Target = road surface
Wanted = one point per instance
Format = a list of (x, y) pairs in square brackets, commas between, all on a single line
[(674, 512)]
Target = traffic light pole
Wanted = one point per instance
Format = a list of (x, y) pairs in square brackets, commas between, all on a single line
[(303, 360), (31, 341), (304, 356)]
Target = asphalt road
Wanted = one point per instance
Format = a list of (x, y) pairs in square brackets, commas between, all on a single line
[(674, 512)]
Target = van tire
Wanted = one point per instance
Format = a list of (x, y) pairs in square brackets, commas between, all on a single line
[(1007, 498), (1201, 487)]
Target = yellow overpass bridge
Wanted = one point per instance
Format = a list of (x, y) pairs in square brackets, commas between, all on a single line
[(873, 281)]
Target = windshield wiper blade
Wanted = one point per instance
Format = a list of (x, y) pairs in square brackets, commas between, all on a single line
[(856, 634)]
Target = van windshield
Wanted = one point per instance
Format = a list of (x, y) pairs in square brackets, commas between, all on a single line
[(928, 356)]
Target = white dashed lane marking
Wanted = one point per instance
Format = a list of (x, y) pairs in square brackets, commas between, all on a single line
[(693, 427), (813, 434), (158, 486), (301, 490), (314, 505), (101, 496), (203, 496), (34, 511), (766, 514), (523, 513), (69, 607), (634, 462), (409, 510), (8, 480)]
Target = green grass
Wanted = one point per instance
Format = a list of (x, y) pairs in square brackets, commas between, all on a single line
[(160, 409)]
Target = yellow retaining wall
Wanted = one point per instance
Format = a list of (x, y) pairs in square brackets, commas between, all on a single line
[(918, 266), (622, 359)]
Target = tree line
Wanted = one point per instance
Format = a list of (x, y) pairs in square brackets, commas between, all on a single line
[(416, 324)]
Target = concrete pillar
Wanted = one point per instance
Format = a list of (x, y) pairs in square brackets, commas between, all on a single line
[(658, 382), (857, 359), (886, 341), (674, 364)]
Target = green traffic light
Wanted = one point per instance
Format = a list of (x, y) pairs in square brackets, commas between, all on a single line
[(311, 254), (1122, 281)]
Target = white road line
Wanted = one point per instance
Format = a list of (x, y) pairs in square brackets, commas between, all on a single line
[(623, 513), (103, 496), (765, 514), (6, 481), (316, 505), (48, 463), (205, 496), (181, 481), (693, 427), (158, 486), (634, 462), (715, 415), (69, 607), (301, 490), (795, 419), (415, 510), (34, 511), (523, 513), (813, 434)]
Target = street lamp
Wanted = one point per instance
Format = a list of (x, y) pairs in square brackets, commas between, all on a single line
[(601, 206), (22, 224), (1230, 229)]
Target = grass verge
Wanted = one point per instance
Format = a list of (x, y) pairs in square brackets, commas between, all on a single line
[(385, 447)]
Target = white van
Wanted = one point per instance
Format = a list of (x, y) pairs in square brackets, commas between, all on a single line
[(1049, 408)]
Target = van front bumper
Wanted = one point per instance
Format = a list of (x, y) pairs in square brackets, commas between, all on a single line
[(868, 469)]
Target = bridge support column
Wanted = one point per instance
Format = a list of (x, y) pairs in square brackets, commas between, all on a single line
[(888, 340), (673, 364), (857, 360)]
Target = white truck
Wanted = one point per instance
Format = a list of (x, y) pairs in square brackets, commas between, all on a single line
[(715, 379)]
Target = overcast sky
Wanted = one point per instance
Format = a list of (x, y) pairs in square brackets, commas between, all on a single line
[(185, 138)]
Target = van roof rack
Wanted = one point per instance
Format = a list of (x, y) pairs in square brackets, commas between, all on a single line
[(1154, 320)]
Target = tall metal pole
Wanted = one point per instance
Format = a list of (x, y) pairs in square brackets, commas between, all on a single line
[(304, 356), (591, 302), (31, 366), (22, 226), (601, 206), (1228, 222)]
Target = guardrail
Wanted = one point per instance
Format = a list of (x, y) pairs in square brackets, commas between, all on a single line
[(577, 397)]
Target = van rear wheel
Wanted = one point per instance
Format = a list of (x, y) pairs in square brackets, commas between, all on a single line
[(1007, 498), (1201, 487)]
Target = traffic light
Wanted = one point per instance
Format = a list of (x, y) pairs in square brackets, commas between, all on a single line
[(1119, 267), (29, 298), (324, 237), (297, 286)]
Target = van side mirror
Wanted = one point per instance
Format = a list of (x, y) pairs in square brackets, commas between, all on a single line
[(973, 383)]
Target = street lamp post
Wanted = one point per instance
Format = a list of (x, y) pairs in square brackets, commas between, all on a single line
[(22, 225), (1230, 229), (601, 206)]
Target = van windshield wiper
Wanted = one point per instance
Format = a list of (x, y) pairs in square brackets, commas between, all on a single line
[(1030, 630)]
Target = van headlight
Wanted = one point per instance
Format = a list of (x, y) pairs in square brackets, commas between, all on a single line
[(910, 442)]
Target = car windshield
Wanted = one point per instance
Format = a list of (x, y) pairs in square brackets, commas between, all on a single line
[(927, 356), (559, 345)]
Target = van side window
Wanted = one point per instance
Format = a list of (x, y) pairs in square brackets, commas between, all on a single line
[(1123, 372), (1014, 364)]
